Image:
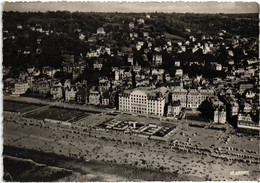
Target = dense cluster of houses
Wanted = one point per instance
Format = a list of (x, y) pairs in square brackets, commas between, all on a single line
[(236, 95)]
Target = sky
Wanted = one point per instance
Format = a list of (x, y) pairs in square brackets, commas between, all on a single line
[(168, 7)]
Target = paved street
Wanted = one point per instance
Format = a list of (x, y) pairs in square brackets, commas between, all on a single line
[(58, 104)]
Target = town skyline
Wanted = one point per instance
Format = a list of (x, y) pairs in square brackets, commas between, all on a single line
[(136, 7)]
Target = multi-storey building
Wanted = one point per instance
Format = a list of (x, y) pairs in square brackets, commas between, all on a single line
[(174, 109), (81, 95), (245, 121), (105, 101), (67, 83), (220, 115), (137, 68), (234, 108), (244, 117), (250, 94), (125, 73), (131, 25), (144, 100), (177, 63), (67, 67), (204, 93), (156, 71), (191, 98), (49, 71), (101, 31), (157, 59), (78, 69), (94, 97), (103, 84), (41, 86), (56, 92), (70, 93), (179, 73), (97, 65), (181, 95), (247, 107), (130, 59), (244, 87), (117, 75), (20, 88), (140, 21)]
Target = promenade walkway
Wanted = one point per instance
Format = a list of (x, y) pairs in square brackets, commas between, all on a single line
[(58, 104)]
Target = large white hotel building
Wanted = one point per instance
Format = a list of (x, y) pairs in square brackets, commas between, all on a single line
[(144, 100)]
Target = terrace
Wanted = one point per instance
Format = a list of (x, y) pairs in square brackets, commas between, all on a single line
[(164, 131), (121, 126), (151, 129), (137, 128), (109, 124)]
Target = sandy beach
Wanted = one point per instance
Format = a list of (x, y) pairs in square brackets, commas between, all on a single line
[(111, 148)]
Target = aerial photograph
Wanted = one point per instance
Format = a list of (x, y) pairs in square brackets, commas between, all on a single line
[(130, 91)]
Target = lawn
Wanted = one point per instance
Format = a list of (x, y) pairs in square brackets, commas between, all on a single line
[(60, 114), (19, 106)]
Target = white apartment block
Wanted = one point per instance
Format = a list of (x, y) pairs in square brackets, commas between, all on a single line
[(20, 88), (143, 101)]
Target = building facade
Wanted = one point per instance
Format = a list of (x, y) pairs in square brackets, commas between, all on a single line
[(245, 121), (56, 92), (215, 109), (174, 109), (220, 115), (191, 98), (20, 88), (41, 86), (70, 94), (104, 84), (143, 101), (157, 59), (181, 95), (94, 98)]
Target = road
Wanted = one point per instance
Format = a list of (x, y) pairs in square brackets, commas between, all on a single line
[(58, 104)]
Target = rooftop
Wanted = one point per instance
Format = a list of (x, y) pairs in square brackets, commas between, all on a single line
[(150, 91)]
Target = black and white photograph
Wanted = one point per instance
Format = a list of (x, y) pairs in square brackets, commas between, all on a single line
[(130, 91)]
